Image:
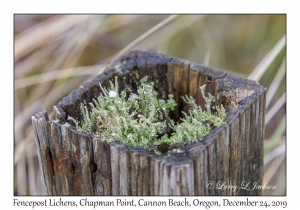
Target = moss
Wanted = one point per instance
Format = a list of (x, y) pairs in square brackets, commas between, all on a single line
[(142, 119)]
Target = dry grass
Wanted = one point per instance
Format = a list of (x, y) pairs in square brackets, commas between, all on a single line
[(55, 54)]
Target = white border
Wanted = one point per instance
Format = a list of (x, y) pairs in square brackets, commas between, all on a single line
[(8, 8)]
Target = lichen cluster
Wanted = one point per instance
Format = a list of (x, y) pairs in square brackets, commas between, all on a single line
[(142, 119)]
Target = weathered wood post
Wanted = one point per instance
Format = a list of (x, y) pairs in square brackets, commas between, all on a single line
[(75, 163)]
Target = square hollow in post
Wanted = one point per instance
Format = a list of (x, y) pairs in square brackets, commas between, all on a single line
[(73, 162)]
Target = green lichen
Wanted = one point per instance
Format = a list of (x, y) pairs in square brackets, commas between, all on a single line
[(177, 150), (157, 152), (198, 123), (142, 119)]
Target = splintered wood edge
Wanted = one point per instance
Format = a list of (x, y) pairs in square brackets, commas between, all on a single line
[(145, 61)]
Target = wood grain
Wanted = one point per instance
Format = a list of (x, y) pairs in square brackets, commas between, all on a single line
[(73, 162)]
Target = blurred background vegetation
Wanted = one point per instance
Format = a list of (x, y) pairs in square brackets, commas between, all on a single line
[(54, 54)]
